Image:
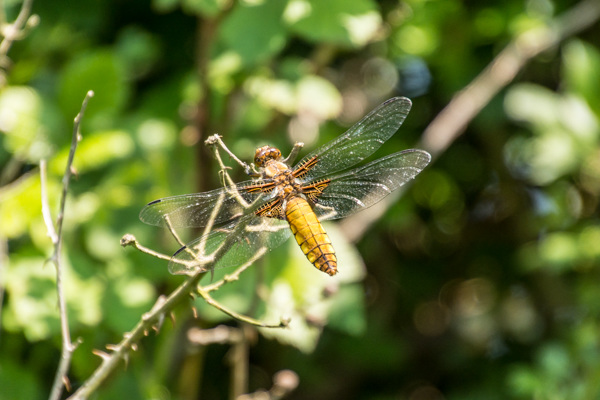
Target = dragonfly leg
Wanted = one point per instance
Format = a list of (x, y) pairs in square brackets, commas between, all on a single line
[(215, 140), (289, 160)]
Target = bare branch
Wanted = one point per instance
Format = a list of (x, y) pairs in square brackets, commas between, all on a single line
[(236, 274), (249, 320), (163, 307), (56, 235), (454, 118), (119, 352)]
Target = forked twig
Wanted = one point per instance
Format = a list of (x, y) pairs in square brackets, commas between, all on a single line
[(68, 346), (163, 306)]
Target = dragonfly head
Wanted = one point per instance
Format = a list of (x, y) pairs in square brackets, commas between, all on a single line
[(266, 153)]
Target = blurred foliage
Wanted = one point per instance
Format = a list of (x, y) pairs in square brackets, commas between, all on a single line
[(481, 282)]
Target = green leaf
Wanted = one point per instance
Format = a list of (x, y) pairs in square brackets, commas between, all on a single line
[(581, 63), (165, 5), (20, 109), (126, 298), (19, 382), (139, 50), (311, 299), (348, 313), (20, 205), (207, 8), (100, 71), (255, 32), (561, 141), (32, 307), (95, 151), (348, 23)]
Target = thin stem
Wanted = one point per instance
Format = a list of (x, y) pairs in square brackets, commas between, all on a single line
[(68, 346), (238, 359), (249, 320), (130, 240)]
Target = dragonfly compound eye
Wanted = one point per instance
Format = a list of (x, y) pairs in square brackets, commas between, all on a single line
[(266, 153)]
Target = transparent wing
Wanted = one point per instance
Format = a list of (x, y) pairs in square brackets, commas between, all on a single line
[(240, 242), (194, 210), (361, 140), (362, 187)]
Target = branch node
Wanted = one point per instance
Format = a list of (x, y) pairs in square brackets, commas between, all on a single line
[(128, 240), (101, 354), (67, 382), (284, 322), (112, 347)]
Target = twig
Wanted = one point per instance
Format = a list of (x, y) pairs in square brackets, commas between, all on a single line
[(284, 382), (221, 334), (148, 320), (236, 274), (119, 352), (238, 360), (13, 32), (68, 346), (451, 122), (244, 318), (130, 240)]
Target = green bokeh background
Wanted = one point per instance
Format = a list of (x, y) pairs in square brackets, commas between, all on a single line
[(481, 281)]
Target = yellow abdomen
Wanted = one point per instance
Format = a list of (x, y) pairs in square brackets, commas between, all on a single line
[(310, 235)]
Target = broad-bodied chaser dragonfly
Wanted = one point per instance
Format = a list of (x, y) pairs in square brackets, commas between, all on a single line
[(247, 219)]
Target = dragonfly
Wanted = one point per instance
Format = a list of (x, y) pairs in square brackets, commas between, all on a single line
[(243, 221)]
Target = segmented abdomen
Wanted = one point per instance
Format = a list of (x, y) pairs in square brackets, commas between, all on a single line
[(310, 235)]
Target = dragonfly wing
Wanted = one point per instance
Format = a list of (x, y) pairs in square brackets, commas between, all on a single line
[(362, 187), (242, 241), (195, 210), (361, 140)]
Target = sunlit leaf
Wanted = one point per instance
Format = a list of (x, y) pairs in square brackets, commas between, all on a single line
[(95, 151), (581, 65), (208, 8), (20, 109), (100, 71), (126, 299), (309, 298), (349, 23), (255, 31), (20, 205), (32, 308)]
